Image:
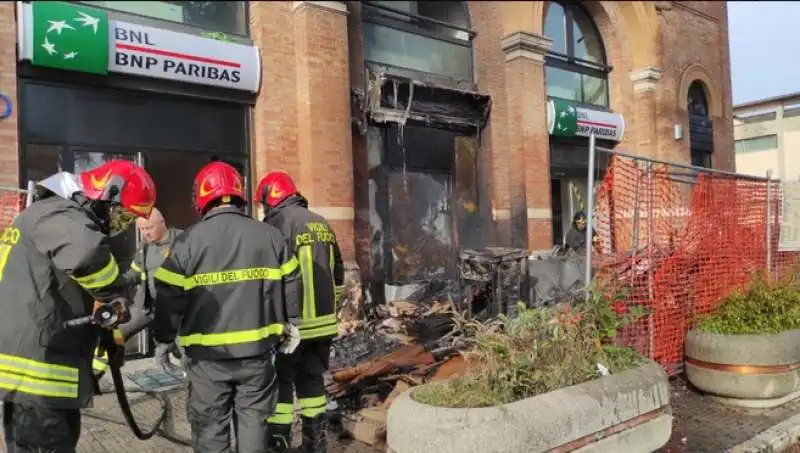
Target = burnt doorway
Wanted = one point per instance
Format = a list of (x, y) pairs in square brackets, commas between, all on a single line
[(424, 202)]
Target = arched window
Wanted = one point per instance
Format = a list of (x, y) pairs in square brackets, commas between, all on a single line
[(701, 130), (698, 104), (575, 66), (433, 37)]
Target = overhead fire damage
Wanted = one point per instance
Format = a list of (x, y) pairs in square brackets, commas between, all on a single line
[(399, 96)]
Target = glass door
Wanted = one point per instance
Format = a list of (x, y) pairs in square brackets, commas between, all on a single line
[(123, 245)]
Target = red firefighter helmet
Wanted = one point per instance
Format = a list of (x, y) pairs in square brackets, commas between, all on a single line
[(214, 181), (275, 187), (127, 187), (121, 182)]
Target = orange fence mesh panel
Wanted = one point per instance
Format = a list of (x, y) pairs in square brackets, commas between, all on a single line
[(677, 242), (12, 202)]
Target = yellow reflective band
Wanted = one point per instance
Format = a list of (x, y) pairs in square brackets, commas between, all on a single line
[(233, 276), (99, 365), (28, 367), (169, 277), (284, 408), (230, 338), (311, 407), (280, 419), (289, 267), (225, 277), (39, 387), (319, 332), (306, 260), (101, 278), (317, 322), (136, 267), (119, 337)]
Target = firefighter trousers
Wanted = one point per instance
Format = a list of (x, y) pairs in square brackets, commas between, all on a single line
[(301, 373), (38, 429), (241, 391)]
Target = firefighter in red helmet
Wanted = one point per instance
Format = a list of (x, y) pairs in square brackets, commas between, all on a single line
[(315, 246), (228, 290), (55, 265)]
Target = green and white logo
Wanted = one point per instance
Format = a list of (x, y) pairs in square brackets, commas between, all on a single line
[(71, 37), (564, 118)]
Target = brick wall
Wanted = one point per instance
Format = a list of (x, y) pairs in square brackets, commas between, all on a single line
[(9, 166), (694, 43)]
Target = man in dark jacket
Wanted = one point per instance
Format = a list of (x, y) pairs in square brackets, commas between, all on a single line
[(229, 289), (314, 243), (157, 238), (576, 236), (55, 262)]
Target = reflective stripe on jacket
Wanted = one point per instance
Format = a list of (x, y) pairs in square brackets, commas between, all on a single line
[(54, 262), (232, 282), (314, 243)]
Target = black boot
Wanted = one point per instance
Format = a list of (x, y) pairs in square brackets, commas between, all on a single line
[(314, 435), (280, 438)]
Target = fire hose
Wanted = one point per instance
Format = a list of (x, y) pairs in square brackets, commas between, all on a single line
[(105, 316)]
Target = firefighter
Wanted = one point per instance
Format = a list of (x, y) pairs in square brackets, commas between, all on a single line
[(230, 288), (55, 265), (315, 246)]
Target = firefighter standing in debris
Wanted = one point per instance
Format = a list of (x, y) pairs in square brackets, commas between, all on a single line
[(322, 270), (56, 265), (231, 287)]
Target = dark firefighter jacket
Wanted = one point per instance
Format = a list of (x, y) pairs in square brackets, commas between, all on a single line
[(320, 260), (228, 286), (54, 262)]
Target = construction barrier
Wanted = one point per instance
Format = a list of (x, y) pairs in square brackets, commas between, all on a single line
[(12, 202), (677, 240)]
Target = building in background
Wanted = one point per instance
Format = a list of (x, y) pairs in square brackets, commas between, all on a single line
[(767, 133), (416, 127)]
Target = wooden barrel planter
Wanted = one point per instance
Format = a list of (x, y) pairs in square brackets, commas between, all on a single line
[(628, 411), (745, 370)]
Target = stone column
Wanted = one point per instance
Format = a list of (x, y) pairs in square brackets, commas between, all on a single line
[(323, 114), (645, 87), (529, 143)]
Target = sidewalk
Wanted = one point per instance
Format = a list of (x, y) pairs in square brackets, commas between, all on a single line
[(701, 425)]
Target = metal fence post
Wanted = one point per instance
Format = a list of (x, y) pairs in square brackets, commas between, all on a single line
[(650, 292), (769, 224), (590, 213), (29, 194)]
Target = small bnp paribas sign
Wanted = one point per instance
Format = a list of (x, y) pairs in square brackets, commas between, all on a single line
[(74, 37), (565, 119)]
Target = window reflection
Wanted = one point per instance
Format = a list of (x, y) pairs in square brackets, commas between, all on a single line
[(222, 16), (586, 40), (555, 27), (408, 50), (563, 84), (576, 68)]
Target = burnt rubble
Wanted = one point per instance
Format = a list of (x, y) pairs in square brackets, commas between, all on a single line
[(416, 337)]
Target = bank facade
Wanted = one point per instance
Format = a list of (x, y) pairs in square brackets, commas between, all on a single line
[(415, 127)]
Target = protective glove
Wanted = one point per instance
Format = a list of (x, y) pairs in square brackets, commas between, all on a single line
[(290, 340), (162, 360)]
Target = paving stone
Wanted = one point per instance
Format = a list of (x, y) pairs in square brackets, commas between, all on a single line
[(704, 425)]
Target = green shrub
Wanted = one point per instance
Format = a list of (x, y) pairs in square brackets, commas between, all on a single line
[(763, 308), (537, 352)]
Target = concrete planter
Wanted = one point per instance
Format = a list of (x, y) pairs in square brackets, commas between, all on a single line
[(745, 370), (626, 412)]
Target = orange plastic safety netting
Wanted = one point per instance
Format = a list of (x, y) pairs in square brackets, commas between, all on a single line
[(677, 242), (12, 201)]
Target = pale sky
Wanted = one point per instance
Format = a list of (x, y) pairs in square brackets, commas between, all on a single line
[(763, 38)]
